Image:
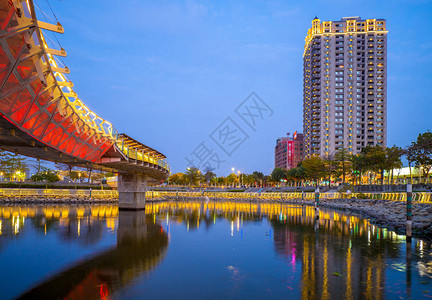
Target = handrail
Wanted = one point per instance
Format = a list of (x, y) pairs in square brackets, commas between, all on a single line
[(417, 196), (134, 154)]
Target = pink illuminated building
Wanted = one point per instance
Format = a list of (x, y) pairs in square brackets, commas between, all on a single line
[(289, 151)]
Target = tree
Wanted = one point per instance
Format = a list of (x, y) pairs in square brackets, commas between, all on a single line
[(65, 167), (231, 178), (12, 165), (258, 177), (193, 175), (219, 180), (208, 176), (177, 178), (296, 174), (278, 174), (98, 176), (410, 153), (330, 166), (266, 179), (359, 165), (89, 173), (423, 152), (314, 168), (343, 163), (394, 161), (37, 164), (375, 159), (248, 179), (46, 175), (75, 175)]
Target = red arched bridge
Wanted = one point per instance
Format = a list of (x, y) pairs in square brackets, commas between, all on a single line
[(43, 117)]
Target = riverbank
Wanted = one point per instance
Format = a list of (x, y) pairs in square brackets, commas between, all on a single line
[(388, 214), (383, 213), (56, 200), (79, 199)]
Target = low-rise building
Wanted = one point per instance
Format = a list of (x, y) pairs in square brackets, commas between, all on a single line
[(289, 151)]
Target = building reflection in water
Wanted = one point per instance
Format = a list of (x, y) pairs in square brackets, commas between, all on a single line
[(338, 256)]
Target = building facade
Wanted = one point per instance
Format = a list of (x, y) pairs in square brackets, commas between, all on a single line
[(289, 151), (345, 85)]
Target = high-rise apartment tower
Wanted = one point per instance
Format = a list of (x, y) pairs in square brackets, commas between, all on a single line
[(345, 85)]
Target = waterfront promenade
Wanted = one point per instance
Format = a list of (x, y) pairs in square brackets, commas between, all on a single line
[(422, 197), (383, 209)]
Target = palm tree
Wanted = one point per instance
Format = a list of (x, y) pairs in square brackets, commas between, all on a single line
[(393, 161), (410, 153)]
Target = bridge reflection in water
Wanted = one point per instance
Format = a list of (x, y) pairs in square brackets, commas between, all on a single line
[(141, 244), (337, 256)]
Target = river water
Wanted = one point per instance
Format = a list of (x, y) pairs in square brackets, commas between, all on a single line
[(195, 250)]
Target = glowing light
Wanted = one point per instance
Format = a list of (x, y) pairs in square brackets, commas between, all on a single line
[(79, 227)]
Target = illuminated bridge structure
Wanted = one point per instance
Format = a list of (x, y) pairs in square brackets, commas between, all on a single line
[(42, 116)]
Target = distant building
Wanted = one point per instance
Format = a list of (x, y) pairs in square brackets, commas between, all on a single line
[(289, 151)]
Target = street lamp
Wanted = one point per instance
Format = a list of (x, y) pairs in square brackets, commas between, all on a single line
[(233, 172), (18, 175), (239, 174)]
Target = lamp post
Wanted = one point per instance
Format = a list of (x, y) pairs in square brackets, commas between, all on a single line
[(190, 175), (233, 170), (18, 175), (199, 178), (239, 174)]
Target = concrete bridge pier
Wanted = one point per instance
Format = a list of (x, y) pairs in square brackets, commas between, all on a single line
[(132, 189)]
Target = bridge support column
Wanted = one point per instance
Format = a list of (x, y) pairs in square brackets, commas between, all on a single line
[(132, 189)]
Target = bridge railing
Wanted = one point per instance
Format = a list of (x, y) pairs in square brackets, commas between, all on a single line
[(140, 155), (417, 196), (7, 192)]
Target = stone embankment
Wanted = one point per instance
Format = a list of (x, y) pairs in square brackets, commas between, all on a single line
[(385, 213), (24, 200), (28, 200)]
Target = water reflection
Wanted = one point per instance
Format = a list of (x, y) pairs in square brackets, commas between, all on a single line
[(141, 245), (337, 256), (341, 256)]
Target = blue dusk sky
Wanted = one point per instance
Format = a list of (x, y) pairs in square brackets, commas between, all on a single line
[(168, 73)]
